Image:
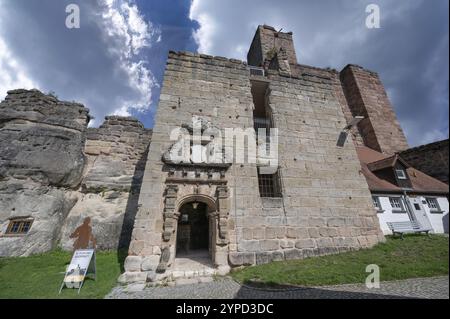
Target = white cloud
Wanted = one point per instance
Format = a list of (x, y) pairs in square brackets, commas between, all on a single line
[(12, 74), (103, 64), (205, 35), (122, 23)]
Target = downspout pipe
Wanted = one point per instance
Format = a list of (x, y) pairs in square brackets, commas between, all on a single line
[(409, 208)]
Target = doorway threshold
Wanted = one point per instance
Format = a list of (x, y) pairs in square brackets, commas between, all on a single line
[(196, 263)]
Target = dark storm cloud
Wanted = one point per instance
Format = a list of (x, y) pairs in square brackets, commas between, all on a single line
[(409, 51)]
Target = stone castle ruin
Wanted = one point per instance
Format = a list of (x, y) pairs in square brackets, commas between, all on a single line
[(54, 171)]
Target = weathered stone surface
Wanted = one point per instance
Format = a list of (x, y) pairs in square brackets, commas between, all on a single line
[(130, 277), (366, 96), (290, 254), (106, 213), (42, 138), (242, 259), (150, 263), (43, 142), (41, 155), (116, 154), (133, 263), (46, 206), (305, 243)]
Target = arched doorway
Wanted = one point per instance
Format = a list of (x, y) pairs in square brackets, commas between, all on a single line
[(193, 234)]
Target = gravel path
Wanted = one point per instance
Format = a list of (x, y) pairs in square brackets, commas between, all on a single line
[(226, 288)]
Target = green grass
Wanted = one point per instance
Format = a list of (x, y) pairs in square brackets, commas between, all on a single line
[(415, 256), (40, 276)]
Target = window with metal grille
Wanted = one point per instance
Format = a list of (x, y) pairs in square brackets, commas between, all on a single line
[(397, 204), (269, 185), (433, 204), (19, 226)]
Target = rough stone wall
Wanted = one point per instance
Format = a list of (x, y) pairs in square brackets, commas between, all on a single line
[(217, 89), (116, 153), (432, 159), (41, 160), (56, 171), (326, 205), (264, 42), (367, 97)]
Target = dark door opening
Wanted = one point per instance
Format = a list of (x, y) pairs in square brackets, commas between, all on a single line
[(193, 228)]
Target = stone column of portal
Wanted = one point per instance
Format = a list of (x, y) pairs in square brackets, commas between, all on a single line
[(222, 240), (169, 227)]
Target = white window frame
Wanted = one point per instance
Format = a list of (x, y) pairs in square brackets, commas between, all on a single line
[(435, 210), (402, 174), (377, 203), (402, 209)]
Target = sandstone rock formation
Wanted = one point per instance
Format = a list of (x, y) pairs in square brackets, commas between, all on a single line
[(41, 158), (55, 172), (35, 128), (116, 153)]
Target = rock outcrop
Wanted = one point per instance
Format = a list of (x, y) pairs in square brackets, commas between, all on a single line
[(55, 171), (42, 138), (116, 153), (41, 159)]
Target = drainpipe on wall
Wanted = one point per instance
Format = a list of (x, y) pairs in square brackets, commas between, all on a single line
[(409, 208)]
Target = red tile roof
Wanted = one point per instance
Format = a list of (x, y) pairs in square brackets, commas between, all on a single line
[(371, 161), (385, 163)]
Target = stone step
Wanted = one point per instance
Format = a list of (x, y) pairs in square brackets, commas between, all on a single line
[(205, 272)]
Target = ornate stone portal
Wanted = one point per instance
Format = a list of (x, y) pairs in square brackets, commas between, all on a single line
[(213, 193), (187, 179), (188, 182)]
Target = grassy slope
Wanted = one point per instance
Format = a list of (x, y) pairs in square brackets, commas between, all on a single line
[(416, 256), (40, 276)]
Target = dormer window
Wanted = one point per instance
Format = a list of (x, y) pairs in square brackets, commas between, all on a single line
[(401, 174)]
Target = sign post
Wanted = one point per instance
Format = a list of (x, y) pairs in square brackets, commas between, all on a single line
[(83, 263)]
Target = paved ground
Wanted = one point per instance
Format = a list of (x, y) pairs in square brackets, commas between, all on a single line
[(226, 288)]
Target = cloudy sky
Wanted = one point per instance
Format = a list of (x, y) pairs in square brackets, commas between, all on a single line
[(114, 62)]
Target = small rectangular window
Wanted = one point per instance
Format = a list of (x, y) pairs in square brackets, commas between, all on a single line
[(400, 174), (19, 226), (433, 204), (376, 203), (269, 185), (397, 204)]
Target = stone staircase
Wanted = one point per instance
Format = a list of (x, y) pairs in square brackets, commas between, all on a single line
[(196, 267)]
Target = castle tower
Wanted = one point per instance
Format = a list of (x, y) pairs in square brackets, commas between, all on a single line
[(267, 42), (312, 200), (366, 96)]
